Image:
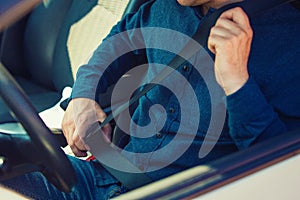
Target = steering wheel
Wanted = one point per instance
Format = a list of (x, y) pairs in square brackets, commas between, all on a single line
[(48, 156)]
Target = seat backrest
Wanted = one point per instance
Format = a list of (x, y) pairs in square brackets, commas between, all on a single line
[(40, 36), (82, 33), (54, 44)]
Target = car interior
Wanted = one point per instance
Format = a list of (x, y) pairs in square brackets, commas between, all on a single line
[(43, 59), (69, 37)]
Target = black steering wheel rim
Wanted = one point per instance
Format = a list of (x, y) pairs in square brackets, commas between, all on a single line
[(57, 167)]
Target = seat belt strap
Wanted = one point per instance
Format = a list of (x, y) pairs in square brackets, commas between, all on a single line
[(105, 152)]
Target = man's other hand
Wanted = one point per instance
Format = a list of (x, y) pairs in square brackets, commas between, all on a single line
[(230, 40)]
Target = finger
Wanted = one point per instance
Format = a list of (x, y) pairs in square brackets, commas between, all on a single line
[(77, 145), (211, 43), (214, 41), (238, 16), (226, 26), (68, 126), (223, 38), (79, 141), (219, 31), (77, 152), (68, 132)]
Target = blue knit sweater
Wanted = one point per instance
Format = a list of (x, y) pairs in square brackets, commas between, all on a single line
[(167, 138)]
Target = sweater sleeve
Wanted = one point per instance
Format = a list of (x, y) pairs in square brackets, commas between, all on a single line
[(251, 118)]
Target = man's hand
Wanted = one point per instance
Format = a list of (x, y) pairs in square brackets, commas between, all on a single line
[(80, 114), (230, 40)]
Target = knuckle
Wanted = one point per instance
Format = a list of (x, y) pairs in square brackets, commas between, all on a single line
[(213, 29), (65, 124), (243, 34), (250, 32), (66, 121), (73, 147), (238, 9), (81, 120), (232, 39)]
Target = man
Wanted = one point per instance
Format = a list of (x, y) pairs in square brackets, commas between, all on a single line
[(256, 73)]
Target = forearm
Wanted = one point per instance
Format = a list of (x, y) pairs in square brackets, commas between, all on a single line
[(251, 118), (105, 67), (111, 59)]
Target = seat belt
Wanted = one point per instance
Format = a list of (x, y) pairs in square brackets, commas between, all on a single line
[(296, 4), (131, 176)]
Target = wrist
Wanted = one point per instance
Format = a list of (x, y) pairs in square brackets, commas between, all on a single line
[(233, 85)]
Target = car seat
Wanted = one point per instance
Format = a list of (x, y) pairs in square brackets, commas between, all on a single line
[(44, 50)]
